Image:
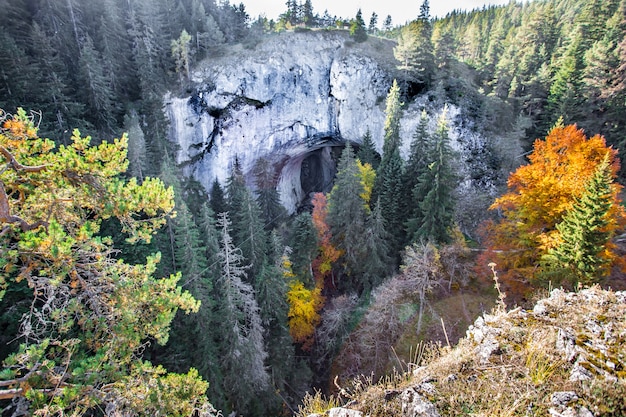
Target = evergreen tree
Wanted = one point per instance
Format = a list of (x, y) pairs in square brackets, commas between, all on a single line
[(210, 40), (358, 32), (137, 156), (387, 24), (267, 196), (235, 189), (271, 293), (586, 229), (166, 240), (564, 98), (192, 342), (304, 247), (437, 186), (242, 349), (393, 114), (391, 194), (100, 96), (389, 187), (48, 85), (217, 200), (182, 54), (210, 236), (378, 263), (418, 164), (415, 48), (347, 213), (249, 233), (367, 152), (372, 28), (308, 18)]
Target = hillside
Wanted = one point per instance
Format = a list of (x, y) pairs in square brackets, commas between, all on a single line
[(564, 357), (321, 197)]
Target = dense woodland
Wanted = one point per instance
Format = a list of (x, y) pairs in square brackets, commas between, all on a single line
[(259, 304)]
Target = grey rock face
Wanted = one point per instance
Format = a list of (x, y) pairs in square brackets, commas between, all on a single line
[(292, 95), (414, 405), (291, 100)]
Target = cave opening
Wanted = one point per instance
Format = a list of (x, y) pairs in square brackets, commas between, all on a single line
[(309, 170)]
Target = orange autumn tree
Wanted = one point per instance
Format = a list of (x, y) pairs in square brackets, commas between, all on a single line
[(305, 303), (540, 193), (322, 265)]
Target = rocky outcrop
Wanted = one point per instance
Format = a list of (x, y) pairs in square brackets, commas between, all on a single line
[(295, 93), (564, 358), (292, 100)]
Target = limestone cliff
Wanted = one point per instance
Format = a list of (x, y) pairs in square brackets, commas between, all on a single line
[(290, 100)]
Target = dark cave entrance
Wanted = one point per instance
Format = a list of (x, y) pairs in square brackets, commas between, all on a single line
[(318, 169), (308, 169)]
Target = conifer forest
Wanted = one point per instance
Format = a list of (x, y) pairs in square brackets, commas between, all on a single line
[(129, 288)]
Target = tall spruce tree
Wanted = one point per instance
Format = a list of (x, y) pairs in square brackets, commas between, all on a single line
[(417, 165), (358, 31), (378, 263), (242, 349), (217, 199), (347, 214), (304, 247), (415, 48), (267, 196), (389, 189), (192, 342), (249, 232), (271, 293), (437, 186), (586, 229), (367, 151)]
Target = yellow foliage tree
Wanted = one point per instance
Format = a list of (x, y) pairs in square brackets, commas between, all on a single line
[(90, 313), (304, 306), (368, 177)]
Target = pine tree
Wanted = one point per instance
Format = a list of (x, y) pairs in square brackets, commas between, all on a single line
[(373, 26), (304, 247), (49, 86), (564, 98), (217, 199), (308, 18), (347, 213), (249, 233), (378, 263), (417, 165), (415, 48), (242, 349), (182, 54), (393, 114), (367, 152), (389, 188), (387, 24), (271, 293), (100, 96), (235, 188), (437, 186), (586, 229), (358, 32), (192, 342), (137, 156), (267, 196)]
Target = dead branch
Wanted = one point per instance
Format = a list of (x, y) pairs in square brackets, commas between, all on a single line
[(16, 165)]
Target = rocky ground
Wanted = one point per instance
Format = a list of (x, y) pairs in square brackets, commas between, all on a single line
[(565, 357)]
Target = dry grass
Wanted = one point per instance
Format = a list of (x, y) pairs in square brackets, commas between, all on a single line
[(534, 355)]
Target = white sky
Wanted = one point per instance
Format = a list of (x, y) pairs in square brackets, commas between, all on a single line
[(401, 11)]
